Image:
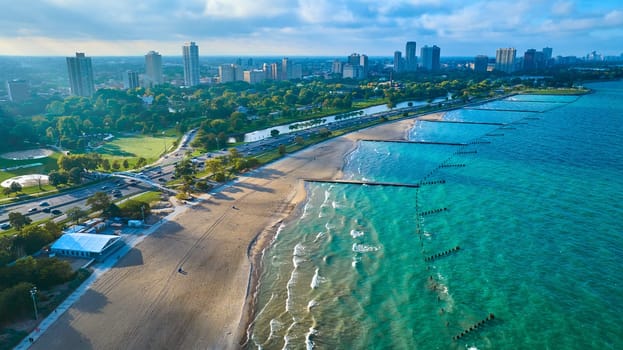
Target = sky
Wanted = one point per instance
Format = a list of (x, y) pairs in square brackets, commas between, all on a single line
[(307, 27)]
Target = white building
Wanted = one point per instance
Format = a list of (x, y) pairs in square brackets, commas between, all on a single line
[(86, 245)]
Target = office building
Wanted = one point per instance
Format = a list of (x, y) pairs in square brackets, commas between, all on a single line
[(191, 64), (410, 57), (547, 56), (354, 59), (153, 69), (19, 90), (429, 57), (505, 59), (397, 61), (80, 75), (130, 80), (480, 63), (297, 71), (275, 71)]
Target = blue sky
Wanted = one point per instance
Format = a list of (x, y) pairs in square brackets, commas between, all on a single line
[(307, 27)]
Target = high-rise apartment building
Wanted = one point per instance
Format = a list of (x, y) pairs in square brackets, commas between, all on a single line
[(397, 61), (153, 69), (275, 71), (286, 69), (480, 63), (337, 67), (354, 59), (297, 71), (430, 57), (410, 57), (80, 75), (191, 64), (505, 59), (254, 76), (227, 73), (19, 90), (363, 62), (130, 79)]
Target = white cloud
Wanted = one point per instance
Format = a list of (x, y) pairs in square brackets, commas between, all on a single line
[(563, 8), (245, 8), (323, 11)]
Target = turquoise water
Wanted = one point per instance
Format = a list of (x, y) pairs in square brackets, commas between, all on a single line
[(534, 205)]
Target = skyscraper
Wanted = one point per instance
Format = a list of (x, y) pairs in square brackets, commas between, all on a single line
[(430, 57), (480, 63), (286, 69), (410, 57), (505, 59), (397, 61), (191, 64), (130, 79), (363, 62), (354, 59), (19, 90), (153, 68), (227, 72), (80, 75)]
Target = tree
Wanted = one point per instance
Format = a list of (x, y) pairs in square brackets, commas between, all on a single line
[(75, 175), (126, 164), (282, 149), (99, 201), (274, 133), (115, 165), (6, 191), (111, 211), (134, 209), (57, 178), (18, 220), (75, 214), (299, 140), (15, 187), (106, 164)]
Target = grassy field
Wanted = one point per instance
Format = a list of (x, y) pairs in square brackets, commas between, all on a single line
[(134, 147), (47, 164)]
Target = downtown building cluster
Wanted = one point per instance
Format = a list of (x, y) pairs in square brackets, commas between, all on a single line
[(355, 66)]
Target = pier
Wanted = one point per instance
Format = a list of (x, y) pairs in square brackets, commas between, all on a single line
[(480, 142), (494, 134), (442, 254), (466, 152), (369, 183), (434, 182), (464, 122), (474, 327), (504, 110), (420, 142), (452, 166)]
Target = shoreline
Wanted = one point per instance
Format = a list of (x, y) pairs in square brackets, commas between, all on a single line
[(144, 302), (403, 127)]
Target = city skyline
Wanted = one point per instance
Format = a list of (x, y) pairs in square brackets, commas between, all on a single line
[(308, 28)]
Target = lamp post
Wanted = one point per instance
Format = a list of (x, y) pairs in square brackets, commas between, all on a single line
[(33, 293)]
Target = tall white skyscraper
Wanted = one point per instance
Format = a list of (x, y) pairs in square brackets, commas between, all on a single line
[(410, 57), (505, 59), (153, 68), (80, 75), (191, 64)]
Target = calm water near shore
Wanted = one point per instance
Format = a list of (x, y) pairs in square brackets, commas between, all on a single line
[(534, 202)]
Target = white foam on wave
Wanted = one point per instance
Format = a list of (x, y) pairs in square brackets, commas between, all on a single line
[(275, 326), (319, 235), (312, 303), (309, 344), (305, 208), (362, 248), (328, 226), (289, 286), (355, 233), (316, 280), (336, 205), (355, 261)]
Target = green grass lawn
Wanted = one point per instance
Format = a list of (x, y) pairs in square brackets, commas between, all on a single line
[(131, 148), (47, 164)]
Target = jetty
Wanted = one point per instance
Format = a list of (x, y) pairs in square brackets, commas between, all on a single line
[(465, 122), (368, 183), (420, 142)]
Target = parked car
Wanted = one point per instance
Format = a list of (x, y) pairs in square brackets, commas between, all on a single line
[(5, 226)]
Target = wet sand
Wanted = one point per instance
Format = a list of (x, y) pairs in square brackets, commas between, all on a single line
[(145, 303)]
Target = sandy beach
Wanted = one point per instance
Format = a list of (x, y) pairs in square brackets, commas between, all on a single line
[(145, 303)]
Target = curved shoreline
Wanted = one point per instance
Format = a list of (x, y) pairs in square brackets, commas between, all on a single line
[(398, 130)]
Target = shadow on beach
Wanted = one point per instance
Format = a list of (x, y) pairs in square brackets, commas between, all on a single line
[(133, 258), (91, 301)]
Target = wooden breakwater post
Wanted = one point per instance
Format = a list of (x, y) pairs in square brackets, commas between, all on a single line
[(433, 211), (441, 254), (474, 327)]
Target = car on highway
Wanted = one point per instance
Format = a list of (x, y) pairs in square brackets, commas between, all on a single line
[(44, 204), (56, 211), (32, 210), (46, 210)]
